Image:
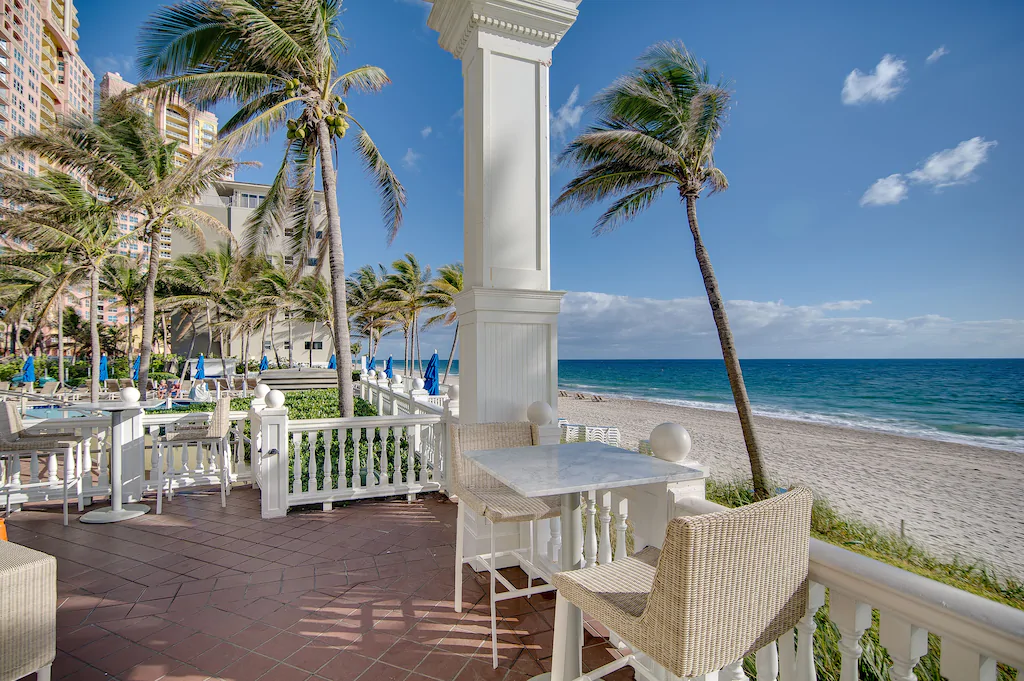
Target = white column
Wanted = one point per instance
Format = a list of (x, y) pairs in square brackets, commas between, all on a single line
[(508, 332)]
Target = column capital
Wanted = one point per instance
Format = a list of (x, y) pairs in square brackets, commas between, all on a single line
[(536, 22)]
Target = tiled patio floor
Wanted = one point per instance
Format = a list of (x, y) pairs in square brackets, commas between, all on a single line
[(361, 592)]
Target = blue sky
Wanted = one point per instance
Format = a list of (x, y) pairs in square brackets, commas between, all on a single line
[(816, 258)]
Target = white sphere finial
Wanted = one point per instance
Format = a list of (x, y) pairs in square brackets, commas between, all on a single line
[(130, 395), (261, 390), (417, 384), (670, 442), (453, 393), (397, 381), (275, 399), (540, 413), (372, 373)]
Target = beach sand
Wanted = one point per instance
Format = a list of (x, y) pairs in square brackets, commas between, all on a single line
[(955, 499)]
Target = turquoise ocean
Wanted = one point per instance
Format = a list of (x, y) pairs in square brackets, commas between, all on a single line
[(969, 401)]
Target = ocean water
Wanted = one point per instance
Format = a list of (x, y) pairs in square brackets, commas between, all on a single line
[(970, 401)]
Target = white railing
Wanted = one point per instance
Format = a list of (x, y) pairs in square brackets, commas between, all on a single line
[(394, 397), (195, 466), (320, 461)]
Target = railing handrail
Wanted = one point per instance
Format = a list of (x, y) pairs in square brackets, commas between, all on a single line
[(364, 422), (944, 610)]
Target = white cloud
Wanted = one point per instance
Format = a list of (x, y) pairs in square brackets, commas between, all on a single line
[(937, 54), (567, 117), (885, 191), (881, 85), (600, 325), (119, 63), (425, 132), (954, 166), (459, 117), (411, 159)]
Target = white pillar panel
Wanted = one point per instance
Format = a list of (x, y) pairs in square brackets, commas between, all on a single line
[(508, 354)]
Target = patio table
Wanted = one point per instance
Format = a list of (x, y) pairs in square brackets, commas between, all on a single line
[(123, 436), (567, 470)]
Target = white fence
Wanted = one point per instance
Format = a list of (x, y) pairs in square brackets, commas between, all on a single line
[(321, 461)]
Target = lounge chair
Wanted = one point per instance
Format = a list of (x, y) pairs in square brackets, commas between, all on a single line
[(5, 385), (49, 389), (580, 396), (563, 393), (112, 388), (598, 398), (125, 383)]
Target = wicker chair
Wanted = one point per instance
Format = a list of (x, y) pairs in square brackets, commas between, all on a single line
[(28, 601), (496, 503), (213, 434), (724, 585), (15, 442)]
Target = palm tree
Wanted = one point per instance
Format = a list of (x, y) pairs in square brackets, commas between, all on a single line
[(366, 313), (405, 297), (278, 60), (63, 220), (656, 129), (121, 277), (313, 304), (441, 296), (123, 152), (202, 280), (273, 295)]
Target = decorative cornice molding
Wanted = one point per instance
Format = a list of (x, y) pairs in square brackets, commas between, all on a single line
[(537, 22)]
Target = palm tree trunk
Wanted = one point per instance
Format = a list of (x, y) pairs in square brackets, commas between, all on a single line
[(342, 340), (149, 308), (94, 334), (759, 471), (312, 334), (419, 349), (209, 331), (163, 324), (60, 340), (455, 339), (130, 335), (192, 342), (273, 341), (291, 342)]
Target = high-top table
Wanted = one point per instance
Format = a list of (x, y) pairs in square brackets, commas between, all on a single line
[(126, 438), (567, 470)]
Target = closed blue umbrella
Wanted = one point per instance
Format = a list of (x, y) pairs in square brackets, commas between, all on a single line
[(373, 360), (430, 376), (104, 370), (333, 364), (388, 371), (28, 372), (200, 368), (264, 364), (135, 367)]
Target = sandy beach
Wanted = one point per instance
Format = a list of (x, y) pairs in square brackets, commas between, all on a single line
[(955, 499)]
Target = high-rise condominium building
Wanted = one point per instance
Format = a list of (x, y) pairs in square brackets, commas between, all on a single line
[(41, 74)]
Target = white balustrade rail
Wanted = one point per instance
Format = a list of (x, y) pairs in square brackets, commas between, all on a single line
[(320, 461), (198, 467), (393, 397)]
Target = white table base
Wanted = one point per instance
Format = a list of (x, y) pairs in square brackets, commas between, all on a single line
[(111, 515), (567, 664)]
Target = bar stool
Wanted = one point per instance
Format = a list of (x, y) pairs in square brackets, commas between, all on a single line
[(213, 434), (496, 503), (723, 586)]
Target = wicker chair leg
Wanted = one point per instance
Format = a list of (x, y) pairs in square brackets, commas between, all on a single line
[(529, 573), (494, 603), (222, 459), (68, 458), (80, 477), (43, 674), (460, 533), (561, 646)]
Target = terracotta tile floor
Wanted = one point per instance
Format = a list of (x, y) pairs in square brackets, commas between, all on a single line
[(360, 592)]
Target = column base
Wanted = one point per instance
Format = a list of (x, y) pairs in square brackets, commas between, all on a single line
[(108, 515)]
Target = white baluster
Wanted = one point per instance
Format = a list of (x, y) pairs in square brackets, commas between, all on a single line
[(555, 541), (332, 437), (605, 545), (767, 662), (906, 643), (416, 454), (51, 468), (87, 471), (314, 440), (960, 663), (396, 455), (590, 546), (297, 462), (621, 516), (852, 618), (734, 672), (805, 670), (33, 468)]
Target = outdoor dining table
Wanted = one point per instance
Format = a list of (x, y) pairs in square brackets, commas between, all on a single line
[(125, 434), (567, 470)]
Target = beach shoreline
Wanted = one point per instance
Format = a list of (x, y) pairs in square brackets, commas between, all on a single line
[(954, 499)]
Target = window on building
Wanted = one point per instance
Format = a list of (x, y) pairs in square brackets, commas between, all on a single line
[(288, 260), (267, 345), (287, 345), (317, 345), (311, 262), (250, 200)]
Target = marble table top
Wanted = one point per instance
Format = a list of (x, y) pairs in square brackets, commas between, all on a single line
[(547, 470)]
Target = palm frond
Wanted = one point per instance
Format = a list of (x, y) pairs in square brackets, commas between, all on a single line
[(390, 190)]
